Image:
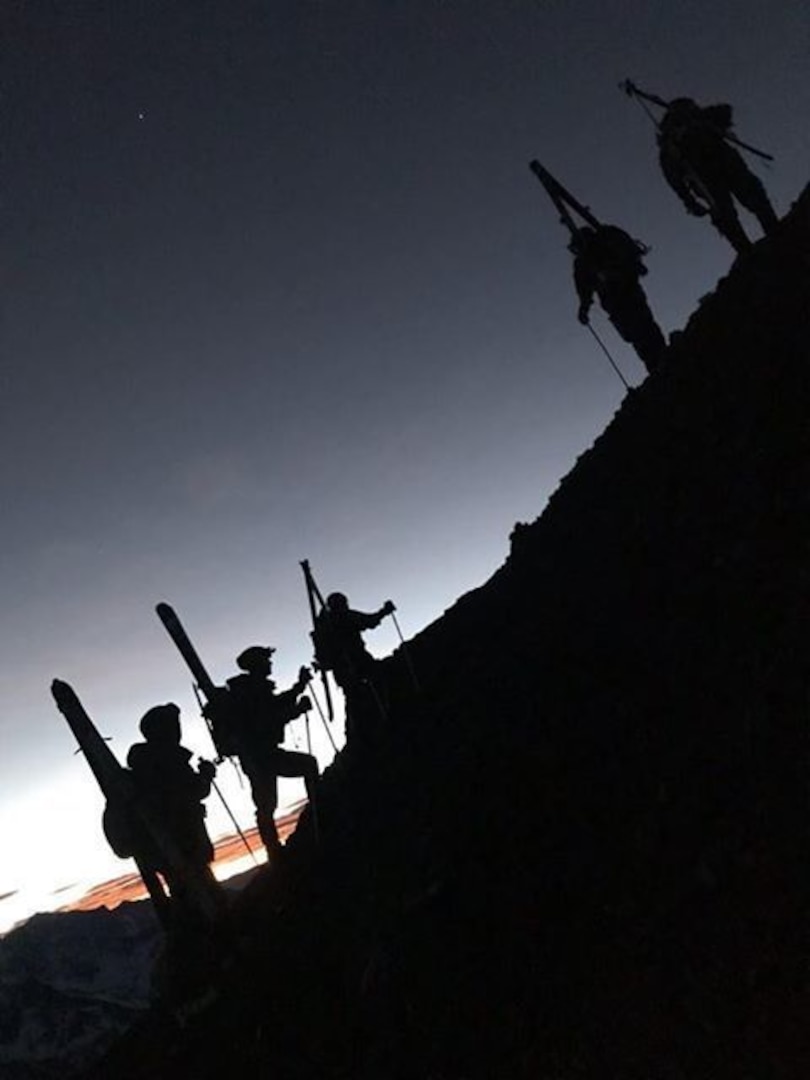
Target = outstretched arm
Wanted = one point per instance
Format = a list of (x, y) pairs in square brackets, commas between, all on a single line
[(368, 620)]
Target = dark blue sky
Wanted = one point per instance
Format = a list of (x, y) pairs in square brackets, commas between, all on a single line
[(277, 283)]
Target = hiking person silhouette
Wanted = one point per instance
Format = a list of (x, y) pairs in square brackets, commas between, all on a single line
[(258, 714), (707, 173), (608, 263), (164, 778), (339, 648)]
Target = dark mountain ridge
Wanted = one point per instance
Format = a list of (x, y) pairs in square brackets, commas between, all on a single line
[(579, 851), (69, 984)]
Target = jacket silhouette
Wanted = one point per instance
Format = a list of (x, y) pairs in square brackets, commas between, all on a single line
[(164, 778)]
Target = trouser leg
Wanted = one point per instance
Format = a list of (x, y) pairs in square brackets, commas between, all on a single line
[(750, 191), (631, 316), (650, 348), (265, 799), (290, 763), (724, 218), (648, 340), (265, 822)]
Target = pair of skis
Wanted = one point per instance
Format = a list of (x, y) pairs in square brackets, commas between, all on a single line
[(564, 202)]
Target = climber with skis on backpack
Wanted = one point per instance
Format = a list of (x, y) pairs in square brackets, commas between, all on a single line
[(175, 792), (339, 648), (608, 263), (707, 173), (697, 150)]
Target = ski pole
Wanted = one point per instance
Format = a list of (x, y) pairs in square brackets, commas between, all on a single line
[(214, 784), (406, 652), (749, 148), (230, 814), (326, 727), (613, 363)]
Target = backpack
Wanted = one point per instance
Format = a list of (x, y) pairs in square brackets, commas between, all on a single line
[(219, 714), (620, 251), (119, 829)]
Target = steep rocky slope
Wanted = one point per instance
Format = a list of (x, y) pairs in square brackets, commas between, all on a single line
[(579, 851)]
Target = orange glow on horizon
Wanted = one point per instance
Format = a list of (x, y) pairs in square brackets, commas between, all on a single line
[(227, 850)]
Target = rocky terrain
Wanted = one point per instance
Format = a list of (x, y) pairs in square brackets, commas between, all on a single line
[(69, 984)]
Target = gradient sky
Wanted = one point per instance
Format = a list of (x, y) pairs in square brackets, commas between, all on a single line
[(277, 283)]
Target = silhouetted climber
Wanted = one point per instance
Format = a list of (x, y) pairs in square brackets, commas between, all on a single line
[(700, 163), (258, 715), (339, 648), (707, 173), (608, 263), (164, 778)]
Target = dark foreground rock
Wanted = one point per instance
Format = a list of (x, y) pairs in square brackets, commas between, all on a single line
[(581, 851)]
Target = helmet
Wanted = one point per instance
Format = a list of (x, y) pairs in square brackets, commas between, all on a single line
[(158, 721), (253, 656), (337, 601)]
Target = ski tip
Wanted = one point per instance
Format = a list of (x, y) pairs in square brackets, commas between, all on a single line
[(61, 691)]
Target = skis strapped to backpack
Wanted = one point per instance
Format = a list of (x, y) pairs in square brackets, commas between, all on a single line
[(565, 203), (319, 636), (617, 245), (642, 96), (216, 713)]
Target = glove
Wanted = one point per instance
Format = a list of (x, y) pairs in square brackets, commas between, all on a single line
[(696, 210), (304, 675), (207, 770), (582, 315), (389, 607), (304, 705)]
